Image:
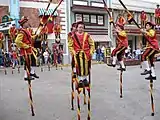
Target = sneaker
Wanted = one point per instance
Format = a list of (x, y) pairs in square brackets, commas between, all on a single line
[(28, 78), (86, 83), (112, 65), (146, 72), (150, 77), (34, 75)]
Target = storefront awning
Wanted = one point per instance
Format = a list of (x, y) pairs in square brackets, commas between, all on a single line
[(49, 12), (101, 38)]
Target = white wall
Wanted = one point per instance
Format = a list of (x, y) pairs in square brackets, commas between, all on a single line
[(4, 2), (135, 5)]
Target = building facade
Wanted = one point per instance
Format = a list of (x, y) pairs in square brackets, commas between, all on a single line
[(91, 12), (135, 7), (34, 10)]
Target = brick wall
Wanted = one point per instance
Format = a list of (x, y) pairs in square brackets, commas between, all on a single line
[(32, 14), (3, 11)]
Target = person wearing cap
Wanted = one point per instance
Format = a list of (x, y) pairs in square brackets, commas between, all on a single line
[(24, 42), (81, 47), (151, 49), (143, 19), (122, 44), (73, 30)]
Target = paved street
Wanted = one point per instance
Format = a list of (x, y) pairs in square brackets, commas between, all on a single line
[(51, 95)]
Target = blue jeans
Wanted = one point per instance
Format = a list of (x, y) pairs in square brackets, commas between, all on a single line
[(98, 57)]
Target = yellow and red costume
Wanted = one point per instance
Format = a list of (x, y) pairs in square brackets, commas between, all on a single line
[(70, 37), (122, 44), (143, 19), (81, 47), (13, 33), (151, 47), (44, 33), (24, 42), (57, 30), (157, 15), (1, 40)]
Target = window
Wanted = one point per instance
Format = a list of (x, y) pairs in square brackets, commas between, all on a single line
[(93, 19), (86, 18), (90, 19), (78, 17), (100, 20), (80, 2)]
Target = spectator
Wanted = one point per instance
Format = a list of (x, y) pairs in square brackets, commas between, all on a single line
[(98, 52), (138, 53), (103, 50), (14, 59), (46, 56), (1, 58)]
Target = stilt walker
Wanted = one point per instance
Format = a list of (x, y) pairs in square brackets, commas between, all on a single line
[(73, 74), (81, 47), (152, 49), (57, 31), (122, 44), (148, 56), (24, 42), (119, 51)]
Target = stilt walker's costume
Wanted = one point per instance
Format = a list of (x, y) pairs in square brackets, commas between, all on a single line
[(151, 49), (157, 15), (122, 44), (81, 47), (73, 30), (24, 42), (143, 19), (34, 54), (13, 33), (44, 33), (57, 31)]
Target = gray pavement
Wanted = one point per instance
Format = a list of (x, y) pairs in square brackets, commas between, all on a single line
[(51, 95)]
